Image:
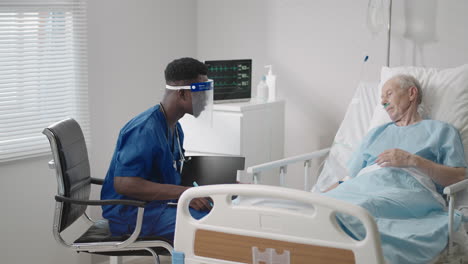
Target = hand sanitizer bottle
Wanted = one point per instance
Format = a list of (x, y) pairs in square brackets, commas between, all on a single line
[(262, 90), (271, 82)]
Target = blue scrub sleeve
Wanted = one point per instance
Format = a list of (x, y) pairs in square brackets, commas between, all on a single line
[(135, 153), (451, 152)]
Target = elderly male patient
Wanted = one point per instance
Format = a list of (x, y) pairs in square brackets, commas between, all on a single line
[(398, 174)]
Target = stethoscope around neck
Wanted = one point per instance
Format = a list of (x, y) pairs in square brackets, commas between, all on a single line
[(182, 158)]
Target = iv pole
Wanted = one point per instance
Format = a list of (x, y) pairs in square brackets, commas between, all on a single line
[(389, 30)]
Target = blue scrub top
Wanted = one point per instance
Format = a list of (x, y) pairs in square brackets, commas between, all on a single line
[(144, 149), (433, 140)]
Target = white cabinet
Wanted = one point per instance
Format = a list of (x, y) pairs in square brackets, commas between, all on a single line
[(253, 130)]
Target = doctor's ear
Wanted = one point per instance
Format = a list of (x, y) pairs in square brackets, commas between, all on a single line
[(182, 94)]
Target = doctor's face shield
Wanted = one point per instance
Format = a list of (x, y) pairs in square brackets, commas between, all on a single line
[(202, 99)]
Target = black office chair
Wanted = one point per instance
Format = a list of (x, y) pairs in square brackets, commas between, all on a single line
[(70, 161)]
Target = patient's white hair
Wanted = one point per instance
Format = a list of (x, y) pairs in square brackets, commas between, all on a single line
[(406, 81)]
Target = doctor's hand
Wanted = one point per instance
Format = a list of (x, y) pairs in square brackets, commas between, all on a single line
[(200, 204), (395, 158)]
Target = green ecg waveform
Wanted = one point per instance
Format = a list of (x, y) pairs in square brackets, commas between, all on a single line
[(223, 68), (223, 77), (227, 68)]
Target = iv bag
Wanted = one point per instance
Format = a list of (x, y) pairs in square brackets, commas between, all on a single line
[(375, 16)]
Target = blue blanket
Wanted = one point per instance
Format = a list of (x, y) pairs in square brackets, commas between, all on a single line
[(412, 223)]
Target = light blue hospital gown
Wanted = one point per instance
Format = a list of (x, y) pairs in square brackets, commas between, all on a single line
[(412, 223)]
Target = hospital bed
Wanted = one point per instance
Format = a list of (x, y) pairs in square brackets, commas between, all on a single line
[(249, 232), (261, 225)]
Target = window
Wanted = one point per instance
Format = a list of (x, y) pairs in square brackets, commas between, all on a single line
[(43, 72)]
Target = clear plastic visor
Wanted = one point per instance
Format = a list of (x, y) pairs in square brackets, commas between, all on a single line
[(202, 99)]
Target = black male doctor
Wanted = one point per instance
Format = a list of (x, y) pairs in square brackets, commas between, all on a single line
[(149, 155)]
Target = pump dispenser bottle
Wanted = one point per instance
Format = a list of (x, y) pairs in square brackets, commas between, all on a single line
[(262, 90), (271, 82)]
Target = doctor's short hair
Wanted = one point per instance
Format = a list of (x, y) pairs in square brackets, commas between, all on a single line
[(406, 81), (184, 69)]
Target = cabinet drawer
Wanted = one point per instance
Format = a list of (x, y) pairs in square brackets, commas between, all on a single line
[(224, 137)]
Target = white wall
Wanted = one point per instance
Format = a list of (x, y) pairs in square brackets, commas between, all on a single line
[(317, 48), (130, 44), (27, 192)]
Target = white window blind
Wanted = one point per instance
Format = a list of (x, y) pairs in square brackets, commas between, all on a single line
[(43, 72)]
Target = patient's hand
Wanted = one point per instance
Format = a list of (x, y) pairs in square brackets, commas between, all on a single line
[(333, 186), (395, 158)]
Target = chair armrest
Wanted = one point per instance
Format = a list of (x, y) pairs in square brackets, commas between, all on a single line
[(456, 187), (287, 161), (63, 199), (97, 181), (112, 246)]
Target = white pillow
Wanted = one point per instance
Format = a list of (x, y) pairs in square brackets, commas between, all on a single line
[(352, 130)]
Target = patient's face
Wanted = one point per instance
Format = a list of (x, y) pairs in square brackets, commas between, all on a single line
[(398, 100)]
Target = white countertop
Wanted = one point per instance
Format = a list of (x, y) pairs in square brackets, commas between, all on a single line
[(243, 106)]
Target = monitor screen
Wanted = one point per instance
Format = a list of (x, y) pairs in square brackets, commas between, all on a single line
[(232, 79)]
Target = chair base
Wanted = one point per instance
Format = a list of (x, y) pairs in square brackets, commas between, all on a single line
[(131, 253), (100, 232)]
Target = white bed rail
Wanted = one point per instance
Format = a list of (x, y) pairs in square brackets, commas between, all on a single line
[(451, 192), (266, 222), (282, 165)]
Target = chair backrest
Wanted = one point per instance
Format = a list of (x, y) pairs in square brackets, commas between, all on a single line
[(206, 170), (72, 168)]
